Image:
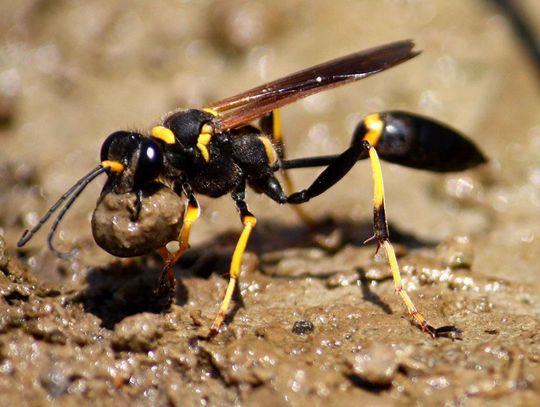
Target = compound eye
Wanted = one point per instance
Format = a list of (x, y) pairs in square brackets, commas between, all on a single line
[(118, 138), (150, 162)]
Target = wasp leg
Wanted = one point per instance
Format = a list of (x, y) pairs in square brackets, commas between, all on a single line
[(331, 175), (382, 237), (370, 131), (249, 221), (167, 282), (270, 124)]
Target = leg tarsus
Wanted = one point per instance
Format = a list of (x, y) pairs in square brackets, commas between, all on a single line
[(449, 331), (167, 282)]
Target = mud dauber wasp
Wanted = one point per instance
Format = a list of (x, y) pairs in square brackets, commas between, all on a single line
[(216, 151)]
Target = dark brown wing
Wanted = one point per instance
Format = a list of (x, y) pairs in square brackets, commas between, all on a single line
[(254, 103)]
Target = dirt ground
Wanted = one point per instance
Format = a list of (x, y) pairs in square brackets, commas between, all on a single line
[(318, 322)]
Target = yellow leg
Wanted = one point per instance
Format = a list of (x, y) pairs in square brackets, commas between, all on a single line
[(192, 214), (169, 259), (236, 262), (382, 236), (277, 137)]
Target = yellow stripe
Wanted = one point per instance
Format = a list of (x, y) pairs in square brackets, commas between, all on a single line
[(114, 166), (378, 185), (203, 140), (249, 224), (276, 126), (207, 129), (375, 127), (269, 150), (163, 133), (211, 111), (204, 151)]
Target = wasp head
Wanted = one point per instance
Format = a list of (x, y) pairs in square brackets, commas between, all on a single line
[(131, 159), (132, 162)]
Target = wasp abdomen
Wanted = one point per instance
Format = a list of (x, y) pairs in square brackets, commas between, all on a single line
[(419, 142)]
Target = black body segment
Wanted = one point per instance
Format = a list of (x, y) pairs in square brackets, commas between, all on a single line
[(419, 142), (410, 140)]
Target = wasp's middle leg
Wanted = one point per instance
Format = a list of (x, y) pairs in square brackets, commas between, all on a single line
[(271, 125), (249, 221)]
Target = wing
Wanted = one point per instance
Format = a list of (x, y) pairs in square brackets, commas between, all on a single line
[(251, 104)]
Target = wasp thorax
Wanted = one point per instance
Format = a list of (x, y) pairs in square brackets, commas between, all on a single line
[(186, 125)]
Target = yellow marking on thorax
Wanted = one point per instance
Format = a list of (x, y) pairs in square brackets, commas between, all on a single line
[(269, 150), (375, 127), (114, 166), (211, 111), (207, 130), (163, 133), (202, 142)]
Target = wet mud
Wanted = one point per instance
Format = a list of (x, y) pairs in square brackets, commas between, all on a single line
[(316, 320)]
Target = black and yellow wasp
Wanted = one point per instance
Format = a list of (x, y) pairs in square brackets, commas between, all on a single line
[(216, 151)]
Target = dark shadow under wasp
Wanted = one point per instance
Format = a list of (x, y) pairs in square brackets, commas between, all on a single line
[(216, 151)]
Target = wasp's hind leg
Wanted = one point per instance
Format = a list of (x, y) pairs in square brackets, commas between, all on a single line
[(382, 237), (408, 140)]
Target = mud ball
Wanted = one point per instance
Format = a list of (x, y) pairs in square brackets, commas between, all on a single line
[(120, 231)]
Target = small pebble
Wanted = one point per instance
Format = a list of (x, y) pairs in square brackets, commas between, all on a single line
[(303, 327)]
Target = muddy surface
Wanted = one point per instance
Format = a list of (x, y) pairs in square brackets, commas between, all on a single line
[(317, 321)]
